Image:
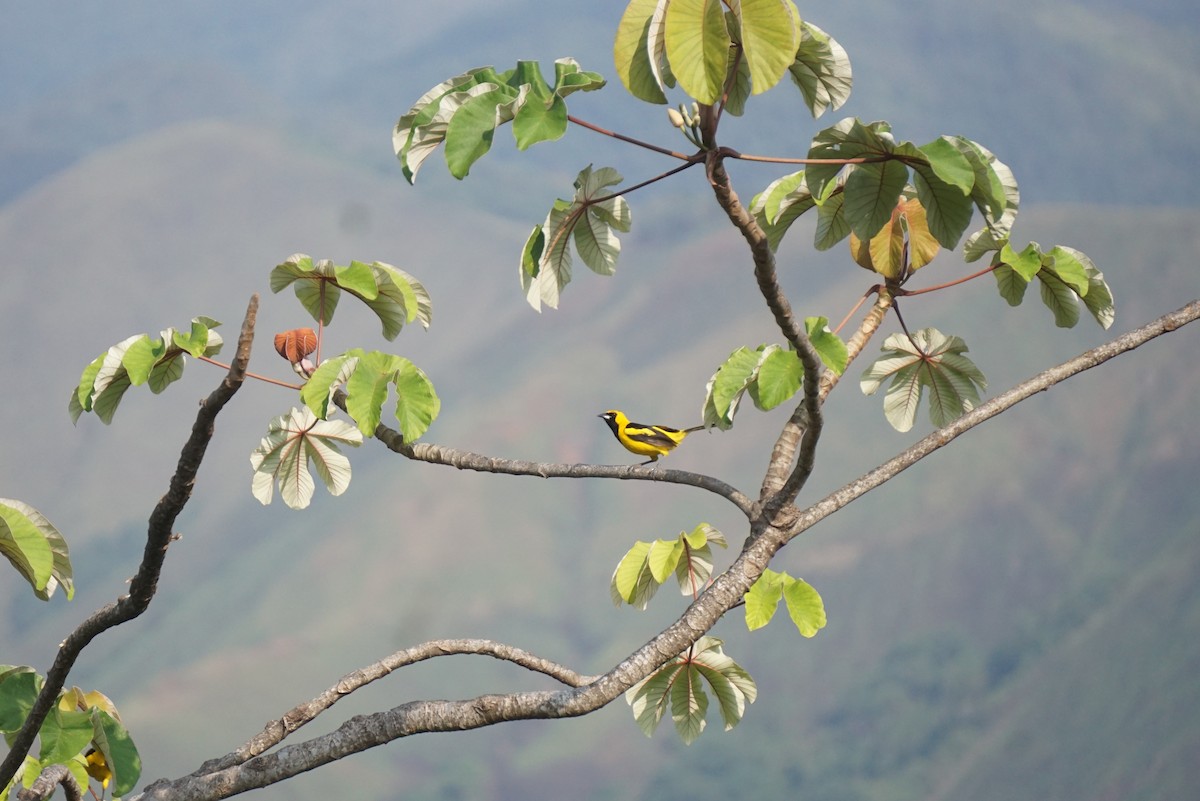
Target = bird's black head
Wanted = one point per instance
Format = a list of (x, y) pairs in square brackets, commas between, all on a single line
[(610, 417)]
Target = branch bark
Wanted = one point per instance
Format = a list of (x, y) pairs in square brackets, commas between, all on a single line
[(158, 538)]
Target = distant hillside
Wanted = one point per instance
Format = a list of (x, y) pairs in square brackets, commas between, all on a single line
[(1000, 617), (1061, 91)]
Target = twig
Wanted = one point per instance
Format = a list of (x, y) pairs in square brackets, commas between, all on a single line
[(638, 142)]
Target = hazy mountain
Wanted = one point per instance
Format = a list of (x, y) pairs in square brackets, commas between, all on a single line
[(1016, 617)]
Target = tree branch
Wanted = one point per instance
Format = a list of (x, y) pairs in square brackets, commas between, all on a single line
[(784, 451), (1039, 383), (277, 731), (466, 460), (43, 787), (158, 538), (781, 309)]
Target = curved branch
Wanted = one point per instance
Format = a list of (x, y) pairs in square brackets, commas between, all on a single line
[(277, 731), (725, 593), (158, 538)]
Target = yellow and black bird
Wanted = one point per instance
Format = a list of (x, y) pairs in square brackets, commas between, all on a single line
[(97, 768), (644, 440)]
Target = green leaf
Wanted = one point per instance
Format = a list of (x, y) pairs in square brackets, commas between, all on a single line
[(697, 47), (872, 192), (832, 226), (663, 558), (1064, 264), (1010, 283), (1059, 298), (1099, 297), (64, 734), (417, 404), (680, 684), (632, 582), (847, 139), (648, 698), (464, 112), (821, 70), (35, 548), (770, 37), (725, 388), (332, 374), (943, 187), (995, 194), (762, 599), (393, 295), (804, 606), (828, 345), (113, 741), (1027, 263), (540, 111), (19, 688), (315, 284), (693, 571), (637, 64), (139, 360), (472, 128), (592, 219), (423, 127), (781, 204), (689, 705), (777, 378), (367, 388), (293, 441)]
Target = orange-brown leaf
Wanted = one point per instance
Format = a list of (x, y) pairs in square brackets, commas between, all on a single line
[(294, 345)]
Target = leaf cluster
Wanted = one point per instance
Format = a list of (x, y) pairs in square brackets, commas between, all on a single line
[(79, 724), (927, 360), (395, 296), (648, 565), (465, 111), (771, 374), (591, 219), (157, 362), (727, 52), (804, 603), (679, 686)]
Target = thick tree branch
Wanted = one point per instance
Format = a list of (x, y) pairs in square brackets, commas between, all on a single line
[(784, 451), (725, 593), (789, 326), (158, 538)]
